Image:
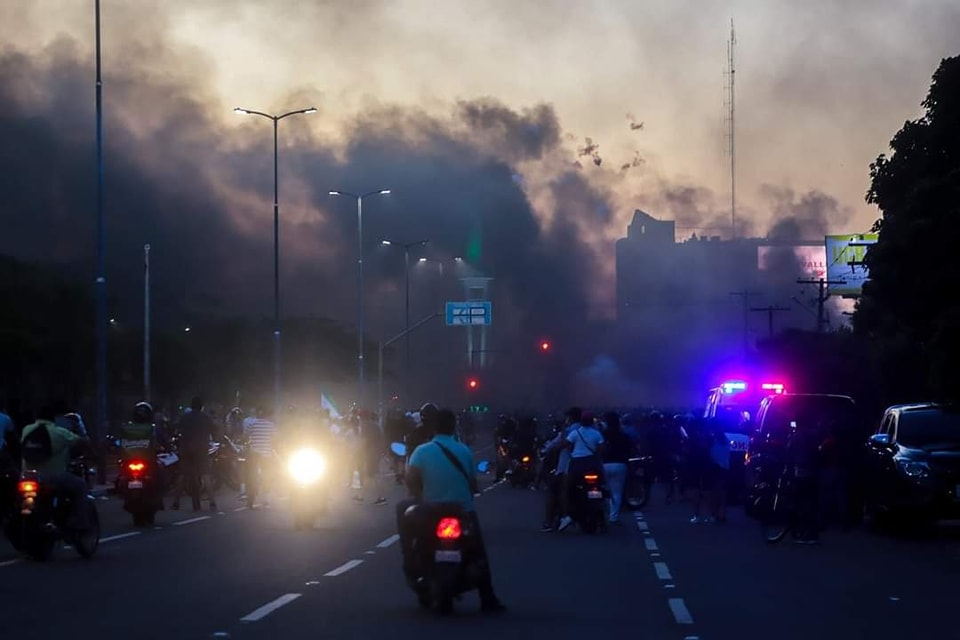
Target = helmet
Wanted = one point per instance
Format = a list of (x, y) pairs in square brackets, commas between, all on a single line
[(143, 413), (76, 422)]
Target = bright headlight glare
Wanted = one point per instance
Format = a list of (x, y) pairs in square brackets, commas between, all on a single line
[(306, 466)]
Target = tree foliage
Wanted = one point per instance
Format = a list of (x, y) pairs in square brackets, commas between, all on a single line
[(910, 306)]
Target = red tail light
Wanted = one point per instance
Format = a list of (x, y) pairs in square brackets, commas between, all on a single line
[(591, 478), (449, 529), (27, 486), (136, 467)]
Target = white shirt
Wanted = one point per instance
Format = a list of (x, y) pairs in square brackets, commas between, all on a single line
[(586, 441), (260, 432)]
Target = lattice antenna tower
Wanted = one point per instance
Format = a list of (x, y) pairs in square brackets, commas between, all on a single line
[(729, 107)]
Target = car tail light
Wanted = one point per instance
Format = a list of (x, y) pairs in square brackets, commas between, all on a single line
[(449, 529), (136, 467), (27, 486)]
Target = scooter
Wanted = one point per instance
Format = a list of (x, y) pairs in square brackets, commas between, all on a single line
[(306, 469)]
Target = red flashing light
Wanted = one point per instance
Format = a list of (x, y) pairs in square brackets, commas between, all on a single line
[(545, 346), (473, 384), (449, 529), (776, 387)]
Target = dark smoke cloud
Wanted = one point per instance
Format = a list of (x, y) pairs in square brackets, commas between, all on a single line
[(198, 192)]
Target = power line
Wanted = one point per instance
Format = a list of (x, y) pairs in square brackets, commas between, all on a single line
[(770, 311), (822, 296), (746, 295)]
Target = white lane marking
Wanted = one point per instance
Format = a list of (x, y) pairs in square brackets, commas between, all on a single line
[(691, 638), (369, 553), (643, 526), (654, 555), (342, 569), (191, 521), (120, 536), (7, 563), (651, 544), (669, 586), (663, 571), (680, 612), (269, 608), (389, 541), (240, 509)]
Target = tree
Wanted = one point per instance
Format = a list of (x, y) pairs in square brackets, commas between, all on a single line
[(909, 305)]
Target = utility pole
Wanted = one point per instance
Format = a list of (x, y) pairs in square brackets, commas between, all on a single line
[(770, 310), (731, 128), (822, 295), (746, 295)]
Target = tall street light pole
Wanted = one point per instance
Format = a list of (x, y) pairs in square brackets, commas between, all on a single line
[(101, 282), (359, 198), (276, 244), (406, 246)]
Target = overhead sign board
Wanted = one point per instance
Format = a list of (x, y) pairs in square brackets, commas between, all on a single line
[(474, 313), (845, 256)]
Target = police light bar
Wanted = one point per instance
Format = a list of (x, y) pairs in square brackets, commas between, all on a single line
[(734, 386), (776, 387)]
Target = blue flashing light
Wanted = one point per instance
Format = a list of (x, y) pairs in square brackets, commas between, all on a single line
[(734, 386)]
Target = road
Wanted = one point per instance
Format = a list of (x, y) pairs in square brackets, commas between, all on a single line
[(248, 575)]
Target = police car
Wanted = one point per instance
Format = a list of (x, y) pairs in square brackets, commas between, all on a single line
[(735, 403)]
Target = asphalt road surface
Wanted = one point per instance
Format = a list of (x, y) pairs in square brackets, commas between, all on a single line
[(248, 575)]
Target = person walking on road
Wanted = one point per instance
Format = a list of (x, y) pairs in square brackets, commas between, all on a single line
[(197, 430), (260, 433), (615, 458)]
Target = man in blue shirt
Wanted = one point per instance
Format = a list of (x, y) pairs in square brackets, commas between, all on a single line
[(434, 477)]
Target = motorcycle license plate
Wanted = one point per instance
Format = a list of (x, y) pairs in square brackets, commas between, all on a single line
[(134, 484), (594, 495), (447, 556)]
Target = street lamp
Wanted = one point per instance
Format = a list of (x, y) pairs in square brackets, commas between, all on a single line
[(406, 246), (359, 198), (276, 244)]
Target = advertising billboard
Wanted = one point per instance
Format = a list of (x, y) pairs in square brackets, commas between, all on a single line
[(810, 260), (845, 262)]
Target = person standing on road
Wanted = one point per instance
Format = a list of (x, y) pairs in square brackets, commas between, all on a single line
[(803, 458), (557, 450), (260, 433), (586, 446), (616, 455), (197, 429), (370, 454)]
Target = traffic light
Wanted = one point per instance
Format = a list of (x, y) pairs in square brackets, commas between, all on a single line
[(473, 384), (545, 346)]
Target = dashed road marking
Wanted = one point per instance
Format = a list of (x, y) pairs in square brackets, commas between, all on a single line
[(342, 569), (651, 544), (663, 571), (240, 509), (369, 553), (269, 608), (7, 563), (680, 612), (120, 536), (191, 520), (643, 526), (389, 541)]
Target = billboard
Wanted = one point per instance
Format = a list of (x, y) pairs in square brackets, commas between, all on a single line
[(811, 260), (845, 262)]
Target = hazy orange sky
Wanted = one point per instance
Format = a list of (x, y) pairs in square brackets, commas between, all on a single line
[(821, 85)]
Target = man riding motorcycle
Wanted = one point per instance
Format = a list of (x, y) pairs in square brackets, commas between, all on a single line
[(433, 477), (45, 448), (139, 439)]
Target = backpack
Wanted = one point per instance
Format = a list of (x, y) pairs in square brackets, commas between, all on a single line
[(37, 447)]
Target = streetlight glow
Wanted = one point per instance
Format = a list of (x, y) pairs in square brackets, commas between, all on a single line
[(386, 243), (422, 260), (335, 193), (310, 110), (239, 110), (384, 192)]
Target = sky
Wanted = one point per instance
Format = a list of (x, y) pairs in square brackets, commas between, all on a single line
[(544, 122)]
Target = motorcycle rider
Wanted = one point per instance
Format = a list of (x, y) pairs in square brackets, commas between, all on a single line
[(49, 455), (586, 445), (139, 439), (557, 449), (432, 477)]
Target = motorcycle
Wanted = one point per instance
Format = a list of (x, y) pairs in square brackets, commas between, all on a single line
[(42, 520), (140, 484), (588, 503), (636, 492), (83, 468), (398, 450), (224, 463), (503, 457), (445, 559), (523, 472), (306, 468)]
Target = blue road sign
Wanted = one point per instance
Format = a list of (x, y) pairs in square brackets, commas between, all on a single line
[(477, 313)]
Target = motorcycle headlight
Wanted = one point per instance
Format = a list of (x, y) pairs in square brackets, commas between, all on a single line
[(306, 466)]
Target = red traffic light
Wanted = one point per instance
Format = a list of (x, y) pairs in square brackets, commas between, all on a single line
[(473, 384), (545, 346)]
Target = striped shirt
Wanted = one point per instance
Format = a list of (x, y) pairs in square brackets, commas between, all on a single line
[(261, 433)]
